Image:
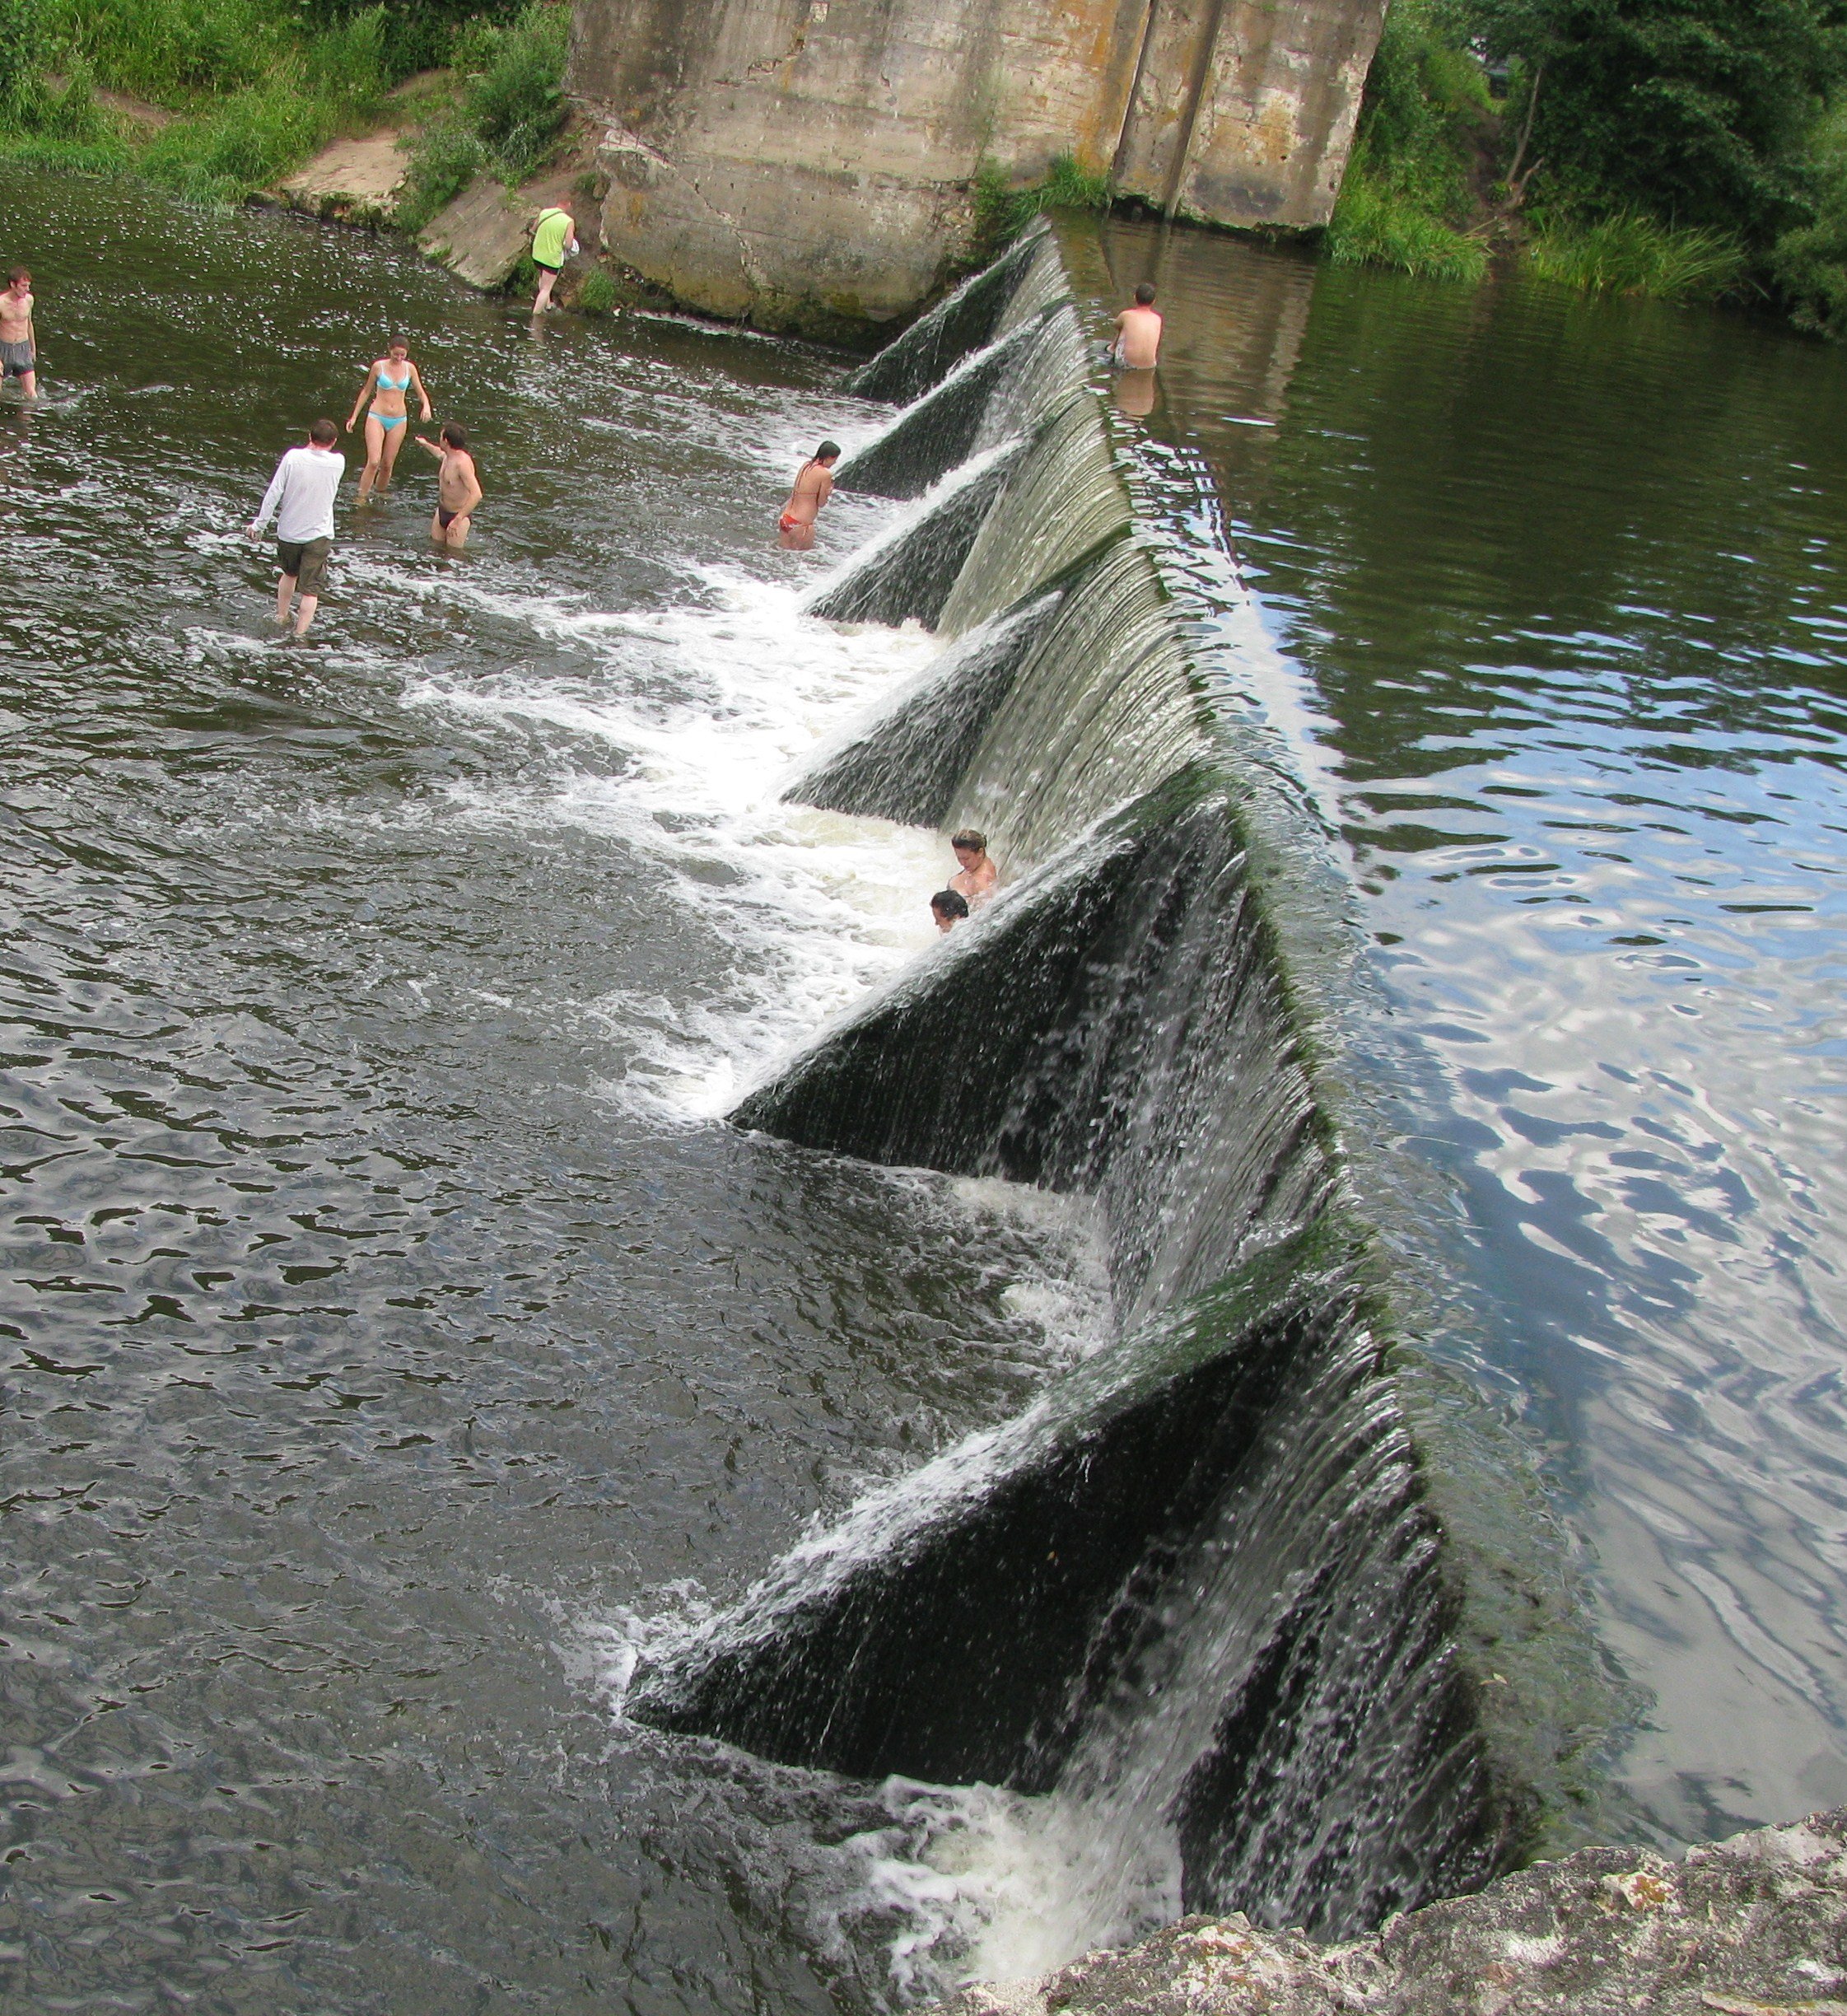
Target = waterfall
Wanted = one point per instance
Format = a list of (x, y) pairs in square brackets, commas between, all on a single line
[(992, 395), (1240, 1605)]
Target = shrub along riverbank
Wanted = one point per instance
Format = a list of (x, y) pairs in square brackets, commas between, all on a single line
[(1691, 149), (218, 99)]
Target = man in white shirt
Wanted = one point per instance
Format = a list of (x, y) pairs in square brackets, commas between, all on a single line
[(301, 493)]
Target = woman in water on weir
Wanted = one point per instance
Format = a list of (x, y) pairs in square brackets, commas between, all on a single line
[(390, 378)]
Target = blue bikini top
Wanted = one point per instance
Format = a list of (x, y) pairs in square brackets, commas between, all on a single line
[(394, 385)]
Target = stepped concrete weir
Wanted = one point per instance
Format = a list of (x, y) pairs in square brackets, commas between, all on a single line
[(1253, 1602)]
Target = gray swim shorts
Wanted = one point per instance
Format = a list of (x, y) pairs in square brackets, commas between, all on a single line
[(306, 560), (15, 359)]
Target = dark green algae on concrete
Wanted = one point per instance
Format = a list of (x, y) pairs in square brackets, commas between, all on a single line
[(1278, 1432)]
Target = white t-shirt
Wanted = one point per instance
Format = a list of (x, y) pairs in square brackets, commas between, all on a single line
[(303, 487)]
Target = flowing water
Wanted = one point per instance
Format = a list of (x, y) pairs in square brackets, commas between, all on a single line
[(1549, 599), (402, 1354)]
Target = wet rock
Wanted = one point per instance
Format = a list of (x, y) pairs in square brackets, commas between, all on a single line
[(1753, 1926)]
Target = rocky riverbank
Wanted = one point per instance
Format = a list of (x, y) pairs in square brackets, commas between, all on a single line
[(1747, 1927)]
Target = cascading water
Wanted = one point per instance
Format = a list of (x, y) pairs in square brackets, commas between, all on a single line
[(1191, 1631)]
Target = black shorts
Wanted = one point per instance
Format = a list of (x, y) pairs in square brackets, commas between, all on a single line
[(306, 560), (546, 266)]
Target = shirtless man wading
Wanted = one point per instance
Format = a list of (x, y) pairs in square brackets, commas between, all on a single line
[(813, 487), (18, 348), (458, 487), (1138, 333)]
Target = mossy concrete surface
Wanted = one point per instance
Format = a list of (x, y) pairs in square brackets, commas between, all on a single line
[(1752, 1926)]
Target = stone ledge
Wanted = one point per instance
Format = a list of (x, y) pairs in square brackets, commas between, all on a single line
[(1753, 1926)]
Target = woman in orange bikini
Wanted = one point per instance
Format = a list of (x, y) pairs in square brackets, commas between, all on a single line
[(796, 528), (389, 379)]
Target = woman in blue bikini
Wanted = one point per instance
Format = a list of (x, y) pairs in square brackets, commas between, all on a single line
[(387, 382)]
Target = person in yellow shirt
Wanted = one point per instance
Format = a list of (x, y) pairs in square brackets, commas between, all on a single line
[(554, 237)]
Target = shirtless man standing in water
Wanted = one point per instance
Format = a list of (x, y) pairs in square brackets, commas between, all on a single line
[(814, 485), (19, 355), (1138, 333), (458, 487)]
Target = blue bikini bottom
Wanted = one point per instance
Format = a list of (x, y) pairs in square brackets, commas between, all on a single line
[(388, 421)]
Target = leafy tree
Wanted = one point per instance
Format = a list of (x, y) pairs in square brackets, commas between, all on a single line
[(1697, 112)]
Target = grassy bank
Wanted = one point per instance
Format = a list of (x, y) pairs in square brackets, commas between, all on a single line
[(1688, 149), (217, 99), (1409, 198)]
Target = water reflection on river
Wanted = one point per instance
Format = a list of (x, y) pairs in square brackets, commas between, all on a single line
[(1556, 610)]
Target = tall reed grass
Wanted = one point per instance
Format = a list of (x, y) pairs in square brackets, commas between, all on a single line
[(1630, 253)]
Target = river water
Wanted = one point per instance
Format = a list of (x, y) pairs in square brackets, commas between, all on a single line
[(1547, 597), (395, 1339)]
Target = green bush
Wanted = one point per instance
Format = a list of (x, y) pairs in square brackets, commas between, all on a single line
[(166, 50), (515, 104), (1406, 195), (597, 296), (1630, 253), (1807, 263), (445, 157), (350, 61), (26, 47), (1375, 224)]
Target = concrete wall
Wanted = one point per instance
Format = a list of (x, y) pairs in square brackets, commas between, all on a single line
[(807, 163)]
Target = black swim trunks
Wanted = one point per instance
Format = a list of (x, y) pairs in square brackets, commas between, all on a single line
[(446, 518), (306, 560), (15, 360)]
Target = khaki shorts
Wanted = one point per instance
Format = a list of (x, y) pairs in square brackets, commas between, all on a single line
[(307, 562)]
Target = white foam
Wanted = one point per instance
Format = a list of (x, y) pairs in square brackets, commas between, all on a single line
[(717, 709), (973, 1883)]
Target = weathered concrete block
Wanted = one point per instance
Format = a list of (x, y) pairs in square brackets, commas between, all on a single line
[(351, 182), (809, 161), (481, 236)]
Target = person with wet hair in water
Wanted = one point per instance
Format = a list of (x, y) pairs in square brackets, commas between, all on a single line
[(976, 878), (949, 907), (814, 486)]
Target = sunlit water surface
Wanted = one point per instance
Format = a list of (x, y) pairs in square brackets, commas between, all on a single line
[(1549, 600)]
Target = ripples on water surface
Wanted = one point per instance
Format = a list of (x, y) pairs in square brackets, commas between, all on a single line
[(1554, 606), (385, 1317), (393, 1341)]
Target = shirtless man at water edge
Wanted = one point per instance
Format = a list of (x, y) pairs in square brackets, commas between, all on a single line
[(977, 877), (458, 487), (813, 487), (19, 354), (301, 494), (1138, 333)]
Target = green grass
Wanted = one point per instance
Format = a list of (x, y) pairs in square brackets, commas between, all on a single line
[(1376, 223), (1003, 211), (597, 295), (1630, 253), (511, 115), (1406, 199), (258, 86)]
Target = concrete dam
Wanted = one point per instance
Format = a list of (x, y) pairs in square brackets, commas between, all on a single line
[(1248, 1604), (809, 164)]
